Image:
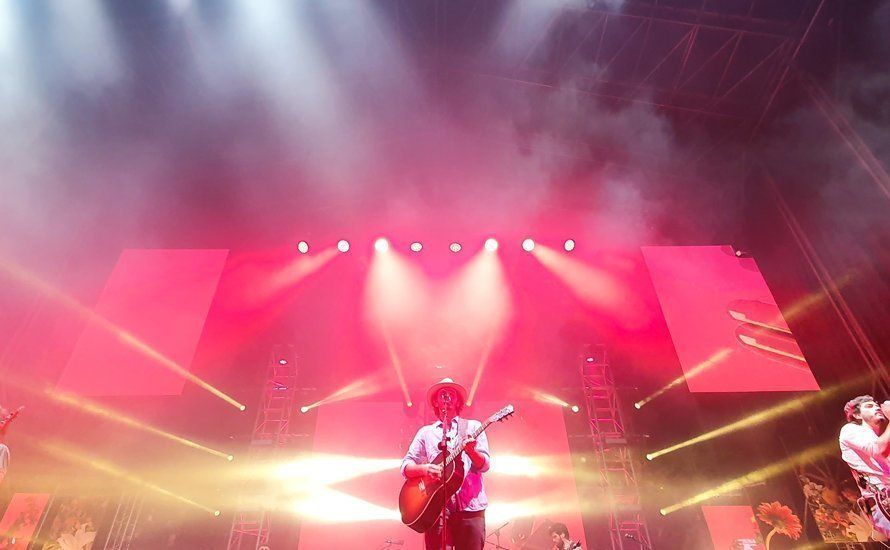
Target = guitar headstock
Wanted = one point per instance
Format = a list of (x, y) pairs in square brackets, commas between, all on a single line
[(502, 414)]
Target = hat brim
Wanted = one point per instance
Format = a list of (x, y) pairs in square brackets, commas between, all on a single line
[(434, 389)]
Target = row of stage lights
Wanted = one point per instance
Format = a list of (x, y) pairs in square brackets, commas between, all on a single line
[(382, 245)]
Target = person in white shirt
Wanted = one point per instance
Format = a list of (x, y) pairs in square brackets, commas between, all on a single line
[(4, 450), (865, 446), (465, 511)]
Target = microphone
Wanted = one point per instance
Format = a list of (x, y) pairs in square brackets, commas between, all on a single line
[(395, 542)]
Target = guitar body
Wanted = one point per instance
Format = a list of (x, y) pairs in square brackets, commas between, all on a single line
[(421, 501)]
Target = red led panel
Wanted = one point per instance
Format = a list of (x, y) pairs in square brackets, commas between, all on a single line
[(726, 327), (732, 527), (152, 309), (21, 519)]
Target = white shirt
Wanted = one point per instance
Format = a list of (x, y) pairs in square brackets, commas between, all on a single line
[(859, 449), (471, 496)]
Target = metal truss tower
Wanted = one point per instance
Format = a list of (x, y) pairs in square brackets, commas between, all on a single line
[(252, 523), (627, 526)]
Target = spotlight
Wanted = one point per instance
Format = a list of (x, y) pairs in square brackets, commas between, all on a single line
[(304, 409), (409, 404), (638, 405), (416, 246), (343, 245), (381, 245), (243, 408), (589, 359), (491, 245), (569, 245), (528, 245), (230, 458), (216, 513), (649, 456), (282, 361), (455, 247), (576, 409), (303, 247)]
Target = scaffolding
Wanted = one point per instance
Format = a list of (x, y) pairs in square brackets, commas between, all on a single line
[(252, 524), (627, 526)]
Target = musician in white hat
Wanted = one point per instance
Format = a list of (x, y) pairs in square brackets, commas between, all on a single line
[(465, 510)]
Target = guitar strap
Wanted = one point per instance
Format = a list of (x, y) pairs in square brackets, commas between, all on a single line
[(462, 424)]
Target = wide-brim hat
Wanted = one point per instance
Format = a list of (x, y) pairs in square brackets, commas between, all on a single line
[(445, 383)]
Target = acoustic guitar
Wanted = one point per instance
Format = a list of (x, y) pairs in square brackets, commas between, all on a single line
[(421, 500)]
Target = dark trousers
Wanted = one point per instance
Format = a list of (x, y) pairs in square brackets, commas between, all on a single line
[(465, 531)]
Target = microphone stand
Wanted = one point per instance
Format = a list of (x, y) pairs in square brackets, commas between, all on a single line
[(497, 533), (443, 448)]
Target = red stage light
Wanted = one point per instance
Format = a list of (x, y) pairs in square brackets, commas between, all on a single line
[(303, 247), (343, 245), (381, 245), (569, 245), (528, 245), (455, 247), (416, 246), (491, 245)]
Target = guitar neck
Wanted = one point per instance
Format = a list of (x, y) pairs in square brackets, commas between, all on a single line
[(460, 448)]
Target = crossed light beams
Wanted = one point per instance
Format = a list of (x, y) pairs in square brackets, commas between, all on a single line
[(31, 280), (482, 288), (757, 476), (766, 415), (77, 457), (476, 299), (96, 409), (390, 294)]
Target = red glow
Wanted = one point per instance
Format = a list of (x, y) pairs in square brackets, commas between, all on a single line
[(728, 524), (156, 297), (21, 519)]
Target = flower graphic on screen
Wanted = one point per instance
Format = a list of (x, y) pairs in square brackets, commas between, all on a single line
[(782, 520)]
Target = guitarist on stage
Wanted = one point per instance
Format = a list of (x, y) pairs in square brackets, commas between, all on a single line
[(465, 510), (865, 447)]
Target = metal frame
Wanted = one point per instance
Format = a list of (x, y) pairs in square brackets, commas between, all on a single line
[(126, 518), (252, 526), (615, 462)]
